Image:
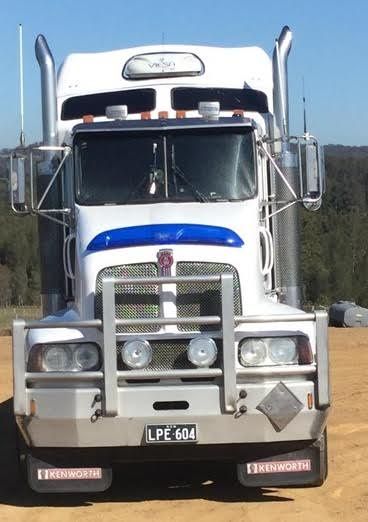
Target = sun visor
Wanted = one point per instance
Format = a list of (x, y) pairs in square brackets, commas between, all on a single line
[(162, 65)]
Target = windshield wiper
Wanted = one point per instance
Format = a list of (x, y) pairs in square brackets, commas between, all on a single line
[(180, 174), (150, 180)]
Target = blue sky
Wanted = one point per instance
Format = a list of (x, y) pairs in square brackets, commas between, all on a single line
[(330, 49)]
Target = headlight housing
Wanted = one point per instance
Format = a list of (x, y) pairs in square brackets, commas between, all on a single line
[(202, 351), (64, 357), (270, 351), (136, 354), (252, 352)]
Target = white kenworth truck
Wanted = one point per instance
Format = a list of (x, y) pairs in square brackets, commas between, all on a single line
[(167, 191)]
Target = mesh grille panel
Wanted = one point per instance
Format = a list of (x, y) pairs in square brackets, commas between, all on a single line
[(170, 355), (196, 299), (132, 301)]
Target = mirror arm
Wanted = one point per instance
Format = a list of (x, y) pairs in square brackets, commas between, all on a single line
[(67, 151), (278, 170), (288, 205), (45, 214)]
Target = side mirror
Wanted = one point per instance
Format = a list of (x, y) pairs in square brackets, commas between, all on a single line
[(18, 183), (312, 180)]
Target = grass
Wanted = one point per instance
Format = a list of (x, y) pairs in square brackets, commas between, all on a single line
[(17, 312)]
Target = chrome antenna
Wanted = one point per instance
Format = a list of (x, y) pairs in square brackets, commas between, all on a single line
[(21, 137), (304, 111)]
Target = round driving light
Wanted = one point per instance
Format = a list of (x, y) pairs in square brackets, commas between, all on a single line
[(57, 358), (282, 350), (202, 351), (136, 354), (86, 356), (252, 352)]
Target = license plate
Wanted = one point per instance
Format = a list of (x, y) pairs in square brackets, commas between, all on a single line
[(156, 433)]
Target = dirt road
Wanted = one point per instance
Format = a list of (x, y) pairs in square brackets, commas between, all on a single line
[(207, 492)]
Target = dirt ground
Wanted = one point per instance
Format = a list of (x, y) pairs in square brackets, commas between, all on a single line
[(209, 492)]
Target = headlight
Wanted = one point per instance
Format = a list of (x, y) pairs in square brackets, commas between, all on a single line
[(137, 354), (268, 351), (62, 357), (283, 350), (87, 357), (252, 352), (57, 358), (202, 351)]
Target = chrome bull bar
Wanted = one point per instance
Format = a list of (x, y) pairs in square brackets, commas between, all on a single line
[(226, 320), (110, 376)]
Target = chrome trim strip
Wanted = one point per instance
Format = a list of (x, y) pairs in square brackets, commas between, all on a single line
[(203, 319), (277, 318), (323, 376), (277, 371), (167, 280), (269, 371), (170, 374), (109, 348), (228, 352), (33, 377), (93, 323), (97, 323), (19, 368)]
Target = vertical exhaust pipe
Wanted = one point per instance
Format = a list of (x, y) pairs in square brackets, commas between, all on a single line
[(286, 223), (50, 233), (48, 90), (280, 80)]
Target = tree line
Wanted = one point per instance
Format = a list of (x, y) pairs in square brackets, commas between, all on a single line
[(335, 239), (334, 247)]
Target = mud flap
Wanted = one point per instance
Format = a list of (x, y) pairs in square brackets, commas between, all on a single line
[(44, 477), (304, 467)]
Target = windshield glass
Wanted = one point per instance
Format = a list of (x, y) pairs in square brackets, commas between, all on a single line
[(181, 165)]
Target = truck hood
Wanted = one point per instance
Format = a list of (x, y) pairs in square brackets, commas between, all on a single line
[(240, 219)]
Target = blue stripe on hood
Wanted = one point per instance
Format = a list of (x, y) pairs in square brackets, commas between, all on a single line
[(165, 234)]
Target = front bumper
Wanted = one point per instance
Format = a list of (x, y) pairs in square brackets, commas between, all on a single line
[(100, 409), (66, 417)]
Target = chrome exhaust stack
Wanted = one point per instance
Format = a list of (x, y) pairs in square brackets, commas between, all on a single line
[(48, 90), (286, 223), (50, 234), (280, 80)]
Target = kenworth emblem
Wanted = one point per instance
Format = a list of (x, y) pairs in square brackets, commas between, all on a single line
[(165, 260)]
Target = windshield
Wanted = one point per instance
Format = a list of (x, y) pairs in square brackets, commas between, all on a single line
[(182, 165)]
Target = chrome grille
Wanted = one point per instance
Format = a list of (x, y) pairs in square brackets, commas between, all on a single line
[(131, 301), (196, 299), (170, 355)]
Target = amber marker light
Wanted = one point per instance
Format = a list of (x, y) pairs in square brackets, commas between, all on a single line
[(88, 118), (180, 115), (163, 115), (238, 113), (310, 401), (145, 115), (32, 407)]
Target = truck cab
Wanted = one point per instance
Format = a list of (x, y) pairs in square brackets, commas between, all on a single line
[(173, 326)]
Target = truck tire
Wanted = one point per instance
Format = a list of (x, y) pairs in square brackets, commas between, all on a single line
[(20, 455)]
